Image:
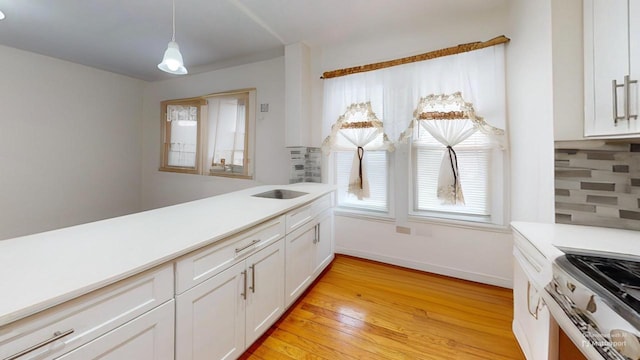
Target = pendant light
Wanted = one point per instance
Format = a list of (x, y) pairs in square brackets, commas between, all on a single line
[(172, 60)]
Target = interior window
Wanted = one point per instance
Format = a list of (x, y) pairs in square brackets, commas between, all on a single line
[(210, 135)]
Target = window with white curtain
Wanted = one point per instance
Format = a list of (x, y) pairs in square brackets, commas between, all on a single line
[(210, 135), (395, 94), (376, 163), (474, 163)]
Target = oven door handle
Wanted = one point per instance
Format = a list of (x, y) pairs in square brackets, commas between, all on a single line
[(539, 303)]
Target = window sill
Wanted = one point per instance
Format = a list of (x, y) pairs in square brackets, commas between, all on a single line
[(459, 223), (364, 214)]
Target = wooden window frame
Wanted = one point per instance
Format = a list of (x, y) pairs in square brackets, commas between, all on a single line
[(202, 143), (166, 135)]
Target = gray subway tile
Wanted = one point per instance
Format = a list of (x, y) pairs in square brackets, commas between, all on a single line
[(605, 200), (635, 148), (576, 207), (601, 155), (563, 218), (563, 192), (571, 173), (585, 185), (627, 214), (635, 182), (620, 168)]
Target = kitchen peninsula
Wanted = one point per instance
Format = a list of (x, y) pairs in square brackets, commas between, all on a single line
[(80, 273)]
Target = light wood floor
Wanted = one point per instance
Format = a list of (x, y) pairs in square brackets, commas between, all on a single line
[(361, 309)]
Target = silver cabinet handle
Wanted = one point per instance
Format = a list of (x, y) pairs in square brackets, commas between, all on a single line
[(318, 232), (56, 336), (315, 234), (614, 89), (627, 98), (238, 250), (534, 314), (253, 278), (244, 293)]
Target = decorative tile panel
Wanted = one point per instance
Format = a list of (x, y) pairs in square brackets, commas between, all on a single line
[(598, 184), (306, 164)]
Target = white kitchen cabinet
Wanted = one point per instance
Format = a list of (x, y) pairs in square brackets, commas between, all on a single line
[(324, 245), (533, 325), (210, 317), (265, 294), (220, 317), (300, 260), (82, 321), (612, 68), (148, 337), (309, 249)]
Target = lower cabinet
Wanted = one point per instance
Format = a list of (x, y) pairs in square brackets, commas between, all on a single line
[(324, 244), (533, 325), (309, 250), (300, 260), (148, 337), (220, 317)]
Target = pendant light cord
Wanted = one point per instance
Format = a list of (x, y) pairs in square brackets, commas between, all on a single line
[(173, 36)]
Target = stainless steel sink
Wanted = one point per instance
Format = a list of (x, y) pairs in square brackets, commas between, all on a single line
[(280, 194)]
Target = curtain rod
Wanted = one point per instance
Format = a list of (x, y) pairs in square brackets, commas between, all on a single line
[(410, 59)]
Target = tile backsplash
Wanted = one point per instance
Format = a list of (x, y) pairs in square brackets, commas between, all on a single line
[(306, 164), (598, 183)]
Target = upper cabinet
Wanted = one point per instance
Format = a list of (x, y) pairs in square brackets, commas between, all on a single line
[(612, 68)]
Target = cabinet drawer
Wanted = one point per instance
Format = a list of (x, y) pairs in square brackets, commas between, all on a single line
[(299, 216), (148, 337), (200, 265), (89, 316)]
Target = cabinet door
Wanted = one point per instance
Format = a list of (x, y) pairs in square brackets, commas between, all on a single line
[(324, 243), (148, 337), (606, 31), (211, 317), (533, 326), (300, 259), (265, 300)]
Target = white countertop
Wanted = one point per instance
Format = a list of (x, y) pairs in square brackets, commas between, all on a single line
[(548, 238), (42, 270)]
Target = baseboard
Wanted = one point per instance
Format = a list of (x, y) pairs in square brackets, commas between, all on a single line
[(436, 269)]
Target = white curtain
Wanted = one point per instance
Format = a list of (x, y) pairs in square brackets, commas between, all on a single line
[(359, 130), (450, 120), (394, 92)]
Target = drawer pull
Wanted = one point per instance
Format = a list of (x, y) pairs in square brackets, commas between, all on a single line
[(531, 312), (56, 336), (238, 250), (244, 287), (253, 278)]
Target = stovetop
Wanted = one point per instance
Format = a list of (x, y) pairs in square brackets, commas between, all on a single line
[(615, 279)]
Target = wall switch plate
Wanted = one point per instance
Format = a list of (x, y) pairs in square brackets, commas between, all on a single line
[(264, 107)]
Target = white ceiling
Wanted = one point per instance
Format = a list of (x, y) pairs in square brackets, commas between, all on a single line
[(129, 36)]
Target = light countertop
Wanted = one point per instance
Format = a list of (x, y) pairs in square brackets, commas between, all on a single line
[(549, 238), (42, 270)]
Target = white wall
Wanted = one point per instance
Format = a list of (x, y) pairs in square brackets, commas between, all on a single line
[(69, 143), (530, 110), (568, 69), (471, 253), (271, 157)]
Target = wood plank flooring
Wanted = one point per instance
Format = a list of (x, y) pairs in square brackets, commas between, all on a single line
[(360, 309)]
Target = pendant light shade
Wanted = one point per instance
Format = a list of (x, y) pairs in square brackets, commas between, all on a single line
[(172, 60)]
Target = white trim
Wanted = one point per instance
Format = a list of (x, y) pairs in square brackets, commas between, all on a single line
[(460, 223), (436, 269), (364, 215)]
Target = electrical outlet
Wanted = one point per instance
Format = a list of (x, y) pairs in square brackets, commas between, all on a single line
[(264, 107)]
